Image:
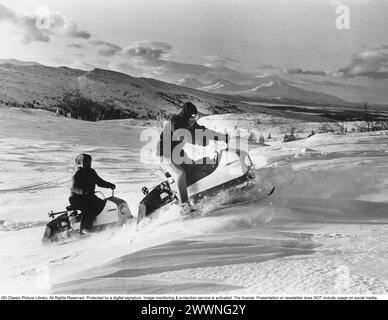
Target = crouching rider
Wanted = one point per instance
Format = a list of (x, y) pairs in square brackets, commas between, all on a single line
[(170, 146), (82, 191)]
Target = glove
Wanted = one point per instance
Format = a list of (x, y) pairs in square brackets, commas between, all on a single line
[(113, 186)]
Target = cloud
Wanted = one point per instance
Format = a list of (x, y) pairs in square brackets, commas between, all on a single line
[(79, 34), (381, 47), (58, 24), (41, 25), (76, 45), (336, 84), (150, 59), (107, 49), (152, 50), (267, 67), (7, 14), (27, 24), (304, 72), (218, 62), (172, 70), (370, 64)]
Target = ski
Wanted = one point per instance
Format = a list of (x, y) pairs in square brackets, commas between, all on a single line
[(227, 206)]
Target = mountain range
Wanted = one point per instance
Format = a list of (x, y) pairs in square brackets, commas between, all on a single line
[(30, 84), (268, 88), (39, 86)]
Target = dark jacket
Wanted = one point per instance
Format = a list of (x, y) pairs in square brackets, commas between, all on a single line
[(181, 121), (85, 181)]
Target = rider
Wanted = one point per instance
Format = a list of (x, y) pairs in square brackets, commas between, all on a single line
[(82, 191), (186, 119)]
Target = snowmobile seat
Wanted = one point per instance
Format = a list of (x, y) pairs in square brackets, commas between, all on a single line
[(200, 169)]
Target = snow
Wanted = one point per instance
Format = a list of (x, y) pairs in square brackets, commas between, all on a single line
[(323, 231), (215, 86), (269, 84)]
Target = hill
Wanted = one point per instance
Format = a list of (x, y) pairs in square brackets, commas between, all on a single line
[(39, 86)]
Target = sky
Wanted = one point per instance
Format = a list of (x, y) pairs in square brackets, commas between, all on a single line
[(236, 40)]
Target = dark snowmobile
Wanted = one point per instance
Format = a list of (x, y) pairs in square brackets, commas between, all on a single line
[(231, 169)]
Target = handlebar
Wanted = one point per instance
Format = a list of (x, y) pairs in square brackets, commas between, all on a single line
[(52, 214)]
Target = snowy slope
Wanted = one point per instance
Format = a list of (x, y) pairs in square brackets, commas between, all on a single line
[(322, 232)]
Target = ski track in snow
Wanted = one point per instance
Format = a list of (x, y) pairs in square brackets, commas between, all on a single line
[(322, 232)]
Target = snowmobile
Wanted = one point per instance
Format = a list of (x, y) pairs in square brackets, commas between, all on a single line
[(66, 224), (229, 169)]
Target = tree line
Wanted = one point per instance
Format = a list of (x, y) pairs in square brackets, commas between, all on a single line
[(75, 105)]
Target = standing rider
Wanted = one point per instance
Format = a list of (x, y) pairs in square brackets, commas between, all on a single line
[(82, 191), (169, 141)]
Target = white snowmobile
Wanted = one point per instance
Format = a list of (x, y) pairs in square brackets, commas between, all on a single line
[(230, 169), (66, 224)]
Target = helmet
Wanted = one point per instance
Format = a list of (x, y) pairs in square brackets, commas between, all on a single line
[(189, 109), (83, 161)]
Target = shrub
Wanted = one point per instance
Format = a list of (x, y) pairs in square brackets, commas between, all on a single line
[(83, 108)]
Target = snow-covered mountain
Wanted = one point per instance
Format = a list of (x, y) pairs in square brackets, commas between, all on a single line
[(27, 84), (283, 91), (189, 83), (222, 86), (271, 88)]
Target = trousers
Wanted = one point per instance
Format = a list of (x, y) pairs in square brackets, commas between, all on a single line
[(90, 205)]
